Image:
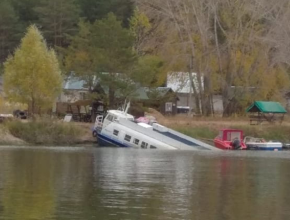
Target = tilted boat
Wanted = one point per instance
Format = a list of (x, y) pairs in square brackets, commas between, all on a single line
[(261, 144), (230, 139), (118, 128)]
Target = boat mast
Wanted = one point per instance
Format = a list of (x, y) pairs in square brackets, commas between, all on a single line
[(127, 107)]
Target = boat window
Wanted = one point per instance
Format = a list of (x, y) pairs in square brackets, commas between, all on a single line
[(136, 141), (110, 117), (116, 132), (127, 138), (152, 147), (234, 135), (144, 145)]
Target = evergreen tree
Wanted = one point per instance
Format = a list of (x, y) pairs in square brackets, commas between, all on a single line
[(25, 11), (58, 19), (98, 9), (114, 51), (79, 56), (32, 76), (9, 29)]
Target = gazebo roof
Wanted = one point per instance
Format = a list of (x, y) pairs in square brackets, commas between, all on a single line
[(266, 107)]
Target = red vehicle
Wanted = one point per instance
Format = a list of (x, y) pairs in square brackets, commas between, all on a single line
[(230, 139)]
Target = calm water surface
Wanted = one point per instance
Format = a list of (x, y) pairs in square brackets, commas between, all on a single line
[(111, 183)]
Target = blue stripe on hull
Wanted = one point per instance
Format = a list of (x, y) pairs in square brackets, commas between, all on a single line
[(270, 148), (106, 141), (264, 148)]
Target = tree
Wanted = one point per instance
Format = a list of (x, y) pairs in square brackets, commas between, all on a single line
[(32, 76), (58, 19), (239, 44), (113, 49), (9, 29), (149, 69), (94, 10), (25, 12), (79, 56)]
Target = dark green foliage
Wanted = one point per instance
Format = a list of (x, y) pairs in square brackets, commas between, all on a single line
[(113, 50), (57, 20), (98, 9), (25, 11), (9, 29)]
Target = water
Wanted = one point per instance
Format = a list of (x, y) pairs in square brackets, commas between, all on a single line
[(111, 183)]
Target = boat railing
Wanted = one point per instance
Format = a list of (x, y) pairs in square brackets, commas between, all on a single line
[(253, 139), (99, 122)]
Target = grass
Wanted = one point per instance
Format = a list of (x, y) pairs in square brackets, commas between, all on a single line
[(270, 132), (45, 132)]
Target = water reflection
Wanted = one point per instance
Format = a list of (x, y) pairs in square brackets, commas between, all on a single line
[(110, 183)]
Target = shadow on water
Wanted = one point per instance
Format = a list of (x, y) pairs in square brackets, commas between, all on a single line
[(113, 183)]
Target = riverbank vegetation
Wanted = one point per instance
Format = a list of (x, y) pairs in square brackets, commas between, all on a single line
[(45, 132)]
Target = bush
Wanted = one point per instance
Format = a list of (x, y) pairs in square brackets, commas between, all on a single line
[(45, 132)]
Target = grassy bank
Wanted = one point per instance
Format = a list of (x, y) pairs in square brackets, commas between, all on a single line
[(210, 131), (45, 132)]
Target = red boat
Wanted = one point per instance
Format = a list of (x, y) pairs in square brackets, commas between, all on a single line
[(230, 139)]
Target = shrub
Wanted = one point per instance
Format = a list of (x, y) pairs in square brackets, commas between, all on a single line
[(45, 132)]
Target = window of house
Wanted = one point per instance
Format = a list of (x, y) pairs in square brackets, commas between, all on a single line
[(168, 107), (136, 141), (127, 138), (152, 147), (144, 145), (116, 132)]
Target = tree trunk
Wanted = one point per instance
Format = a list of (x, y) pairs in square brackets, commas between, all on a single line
[(111, 96), (194, 90), (32, 107)]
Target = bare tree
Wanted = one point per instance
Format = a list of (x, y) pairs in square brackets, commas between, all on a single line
[(228, 44)]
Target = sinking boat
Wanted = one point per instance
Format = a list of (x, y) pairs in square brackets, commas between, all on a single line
[(261, 144), (230, 139), (118, 128)]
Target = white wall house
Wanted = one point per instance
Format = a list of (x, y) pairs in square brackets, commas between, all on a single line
[(179, 82)]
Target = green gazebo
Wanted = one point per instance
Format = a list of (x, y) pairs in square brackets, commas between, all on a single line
[(266, 111)]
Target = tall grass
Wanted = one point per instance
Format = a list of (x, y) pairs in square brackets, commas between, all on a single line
[(45, 132), (269, 132)]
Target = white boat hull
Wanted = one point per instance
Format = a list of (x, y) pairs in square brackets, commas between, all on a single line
[(120, 129), (164, 138), (270, 146)]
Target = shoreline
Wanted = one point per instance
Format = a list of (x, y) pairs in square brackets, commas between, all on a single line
[(204, 129)]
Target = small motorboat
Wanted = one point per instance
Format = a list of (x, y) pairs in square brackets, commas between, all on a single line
[(261, 144), (230, 139)]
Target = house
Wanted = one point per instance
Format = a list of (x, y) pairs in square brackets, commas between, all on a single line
[(163, 99), (75, 99), (180, 83), (74, 90)]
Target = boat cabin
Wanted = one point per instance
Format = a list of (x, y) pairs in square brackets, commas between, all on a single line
[(230, 139), (230, 134), (115, 115)]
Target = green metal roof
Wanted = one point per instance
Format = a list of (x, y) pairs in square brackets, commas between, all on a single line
[(266, 107)]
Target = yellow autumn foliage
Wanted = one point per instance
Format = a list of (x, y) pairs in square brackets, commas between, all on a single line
[(32, 75)]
